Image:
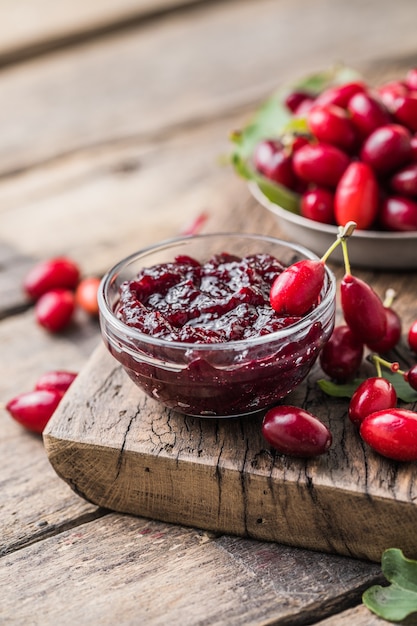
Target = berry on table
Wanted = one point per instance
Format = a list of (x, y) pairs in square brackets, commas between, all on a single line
[(373, 394), (33, 409), (59, 272), (296, 432), (54, 309)]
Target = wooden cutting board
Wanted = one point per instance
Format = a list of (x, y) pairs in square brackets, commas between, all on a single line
[(120, 450)]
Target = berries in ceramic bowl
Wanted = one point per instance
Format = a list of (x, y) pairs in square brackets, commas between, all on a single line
[(357, 161), (191, 322)]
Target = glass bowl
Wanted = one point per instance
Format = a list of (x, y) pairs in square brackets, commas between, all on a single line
[(216, 380)]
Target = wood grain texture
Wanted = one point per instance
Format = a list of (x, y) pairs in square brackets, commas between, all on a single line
[(29, 28), (359, 616), (123, 451), (145, 82), (200, 580)]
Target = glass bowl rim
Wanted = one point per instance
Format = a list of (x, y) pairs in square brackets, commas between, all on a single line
[(123, 330)]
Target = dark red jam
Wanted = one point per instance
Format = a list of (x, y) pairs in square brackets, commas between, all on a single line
[(225, 299), (221, 302)]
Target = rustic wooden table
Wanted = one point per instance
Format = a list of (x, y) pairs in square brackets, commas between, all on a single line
[(113, 121)]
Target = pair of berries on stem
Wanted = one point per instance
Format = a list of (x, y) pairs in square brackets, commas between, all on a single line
[(390, 431)]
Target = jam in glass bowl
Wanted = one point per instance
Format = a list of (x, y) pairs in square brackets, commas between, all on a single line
[(189, 320)]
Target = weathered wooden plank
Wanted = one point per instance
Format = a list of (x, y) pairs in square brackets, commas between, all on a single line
[(153, 573), (28, 28), (188, 68), (123, 451), (360, 616), (34, 502)]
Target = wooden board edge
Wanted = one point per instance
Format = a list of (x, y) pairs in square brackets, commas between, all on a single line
[(299, 514)]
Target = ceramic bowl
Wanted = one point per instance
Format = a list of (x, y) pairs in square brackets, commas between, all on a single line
[(367, 249)]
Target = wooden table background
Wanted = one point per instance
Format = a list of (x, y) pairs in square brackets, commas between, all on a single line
[(113, 121)]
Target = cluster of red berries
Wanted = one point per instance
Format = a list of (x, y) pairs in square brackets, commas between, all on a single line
[(356, 160), (56, 287), (390, 431), (33, 409)]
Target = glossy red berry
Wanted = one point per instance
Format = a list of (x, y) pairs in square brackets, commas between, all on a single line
[(404, 109), (342, 355), (363, 310), (294, 99), (412, 336), (34, 409), (373, 394), (53, 273), (297, 288), (398, 213), (54, 309), (392, 333), (318, 205), (321, 164), (392, 433), (411, 377), (296, 432), (331, 124), (357, 196), (57, 380), (340, 95), (389, 92), (404, 181), (275, 162), (387, 148), (367, 113), (86, 295)]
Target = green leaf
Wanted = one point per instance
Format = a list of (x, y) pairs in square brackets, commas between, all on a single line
[(398, 600), (346, 390), (338, 390), (271, 121)]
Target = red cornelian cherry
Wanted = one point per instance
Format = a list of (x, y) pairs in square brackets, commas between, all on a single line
[(86, 295), (295, 432), (340, 95), (54, 309), (275, 162), (393, 329), (331, 124), (373, 394), (412, 336), (367, 113), (59, 272), (296, 98), (388, 92), (317, 204), (56, 380), (410, 376), (363, 310), (387, 148), (404, 181), (321, 164), (342, 355), (357, 196), (297, 288), (392, 433), (33, 409), (404, 109), (398, 213)]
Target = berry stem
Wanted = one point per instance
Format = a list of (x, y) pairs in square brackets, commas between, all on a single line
[(392, 366), (390, 296), (343, 234)]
